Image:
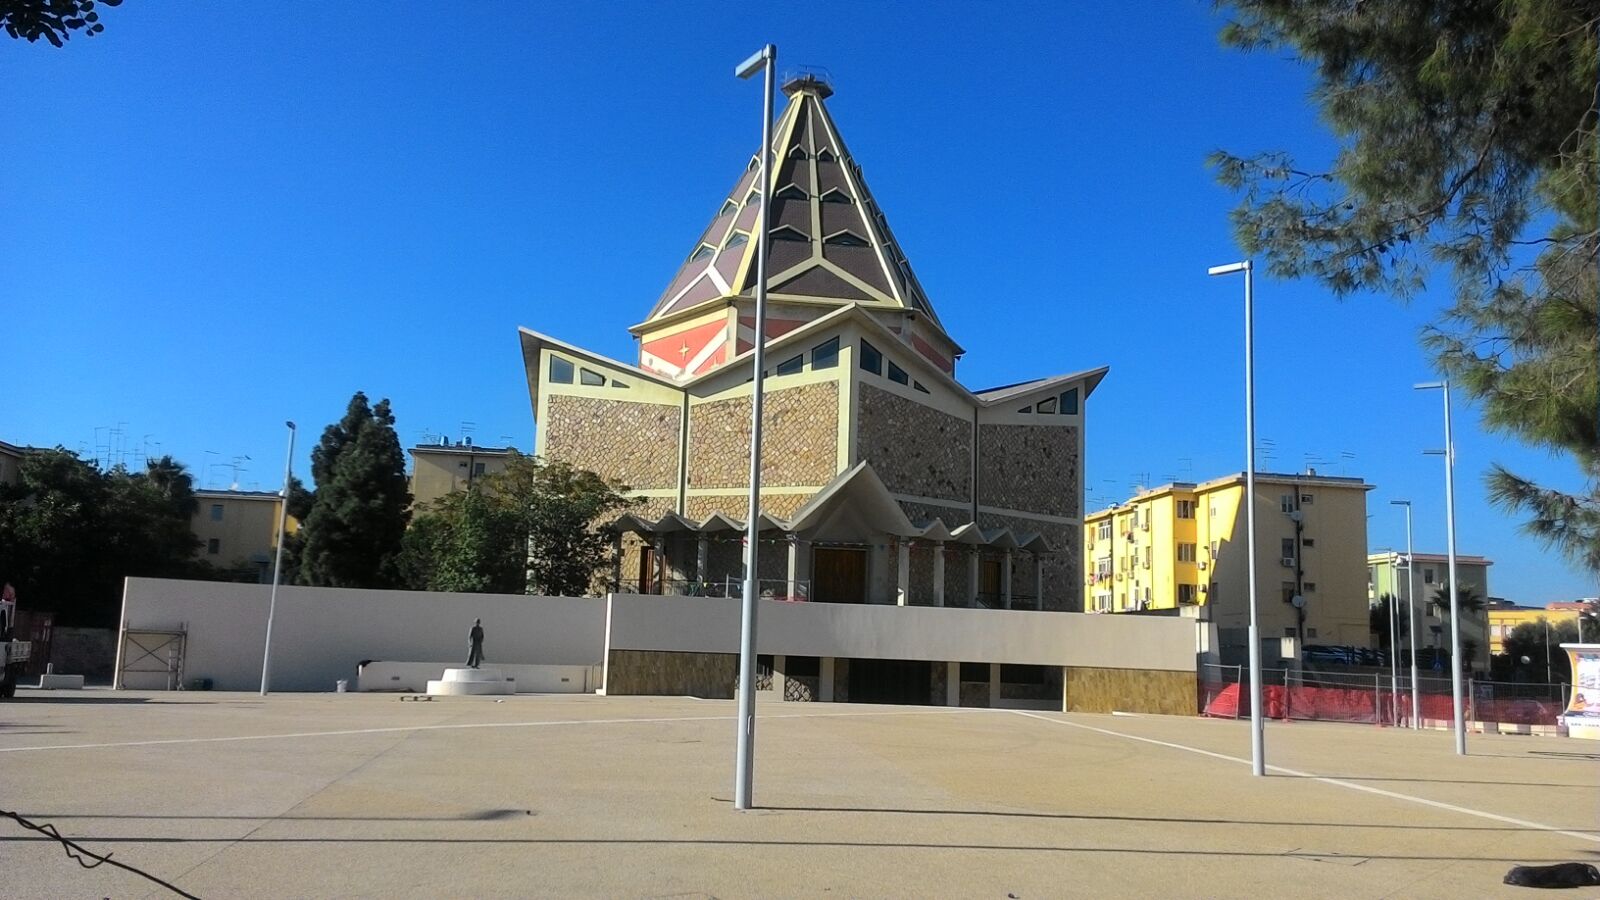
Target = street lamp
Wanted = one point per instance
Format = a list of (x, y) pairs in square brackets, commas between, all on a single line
[(1411, 618), (277, 564), (744, 762), (1449, 454), (1258, 763)]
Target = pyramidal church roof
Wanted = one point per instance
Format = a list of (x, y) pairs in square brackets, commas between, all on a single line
[(830, 241)]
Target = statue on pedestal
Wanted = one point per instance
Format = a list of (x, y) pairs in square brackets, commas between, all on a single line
[(475, 640)]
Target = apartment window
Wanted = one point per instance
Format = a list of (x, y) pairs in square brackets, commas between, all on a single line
[(1311, 632), (1288, 548), (1288, 632), (560, 370), (1069, 402), (1305, 498), (1213, 510), (897, 374), (216, 512), (1187, 594), (871, 358), (1307, 542), (1103, 530), (1287, 588), (918, 386), (478, 468), (1286, 503), (214, 546), (794, 365), (1185, 509), (1216, 547), (1147, 557), (1311, 586), (1427, 576), (1186, 553), (591, 378), (826, 354)]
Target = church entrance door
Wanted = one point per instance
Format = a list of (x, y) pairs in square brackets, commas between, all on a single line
[(839, 575)]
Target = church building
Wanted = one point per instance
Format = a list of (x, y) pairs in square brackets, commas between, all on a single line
[(885, 480)]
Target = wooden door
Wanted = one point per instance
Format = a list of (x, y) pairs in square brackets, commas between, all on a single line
[(989, 581), (839, 575), (647, 569)]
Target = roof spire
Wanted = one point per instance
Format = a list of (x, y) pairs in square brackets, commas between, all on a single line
[(808, 81)]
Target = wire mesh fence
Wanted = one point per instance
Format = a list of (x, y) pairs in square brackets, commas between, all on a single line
[(1375, 699)]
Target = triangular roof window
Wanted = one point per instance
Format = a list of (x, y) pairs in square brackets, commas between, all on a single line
[(826, 155), (737, 239), (788, 233), (792, 192), (797, 152), (703, 251), (728, 207), (846, 238), (835, 195)]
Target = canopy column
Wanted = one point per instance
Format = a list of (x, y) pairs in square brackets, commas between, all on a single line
[(938, 573)]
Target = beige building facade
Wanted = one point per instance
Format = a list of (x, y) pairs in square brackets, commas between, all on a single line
[(1183, 546), (238, 528), (441, 469), (1428, 574), (11, 463)]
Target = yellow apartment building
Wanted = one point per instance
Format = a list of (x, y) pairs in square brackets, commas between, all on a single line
[(1182, 546), (1503, 619), (440, 469), (239, 528)]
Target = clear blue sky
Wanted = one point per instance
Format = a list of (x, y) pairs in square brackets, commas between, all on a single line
[(219, 217)]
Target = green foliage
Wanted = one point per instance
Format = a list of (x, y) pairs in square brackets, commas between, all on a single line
[(1466, 597), (558, 507), (466, 542), (530, 528), (53, 20), (1539, 644), (1467, 143), (352, 533), (70, 533), (1378, 620)]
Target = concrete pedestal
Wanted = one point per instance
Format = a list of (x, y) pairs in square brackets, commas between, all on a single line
[(472, 682)]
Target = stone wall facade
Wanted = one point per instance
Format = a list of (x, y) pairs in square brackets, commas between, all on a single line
[(1063, 565), (952, 516), (921, 587), (800, 439), (634, 443), (660, 672), (914, 448), (737, 506), (1033, 468), (1131, 690)]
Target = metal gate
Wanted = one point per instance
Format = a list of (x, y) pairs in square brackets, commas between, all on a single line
[(152, 660)]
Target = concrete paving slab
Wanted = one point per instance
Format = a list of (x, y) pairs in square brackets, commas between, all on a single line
[(359, 795)]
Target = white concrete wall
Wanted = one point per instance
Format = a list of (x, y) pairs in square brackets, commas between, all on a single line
[(711, 625), (320, 635)]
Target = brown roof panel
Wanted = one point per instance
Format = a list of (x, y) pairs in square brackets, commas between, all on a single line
[(703, 290), (819, 282)]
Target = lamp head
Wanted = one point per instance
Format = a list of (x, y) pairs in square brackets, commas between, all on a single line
[(1399, 502), (1428, 386), (758, 60), (1230, 268)]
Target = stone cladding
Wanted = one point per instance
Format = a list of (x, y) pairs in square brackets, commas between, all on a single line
[(1033, 468), (800, 439), (1063, 565), (914, 448), (634, 443)]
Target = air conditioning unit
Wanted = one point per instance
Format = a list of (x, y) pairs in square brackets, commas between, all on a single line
[(1288, 562), (1203, 566)]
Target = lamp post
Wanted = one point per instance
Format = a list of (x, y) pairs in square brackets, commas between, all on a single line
[(1258, 763), (1449, 453), (1411, 619), (277, 563), (744, 762), (1394, 643)]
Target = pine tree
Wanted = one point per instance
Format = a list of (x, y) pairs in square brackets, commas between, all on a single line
[(1467, 144), (353, 533)]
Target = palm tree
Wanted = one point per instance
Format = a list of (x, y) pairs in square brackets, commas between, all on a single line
[(1466, 596), (173, 480)]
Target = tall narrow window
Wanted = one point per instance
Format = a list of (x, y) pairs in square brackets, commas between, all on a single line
[(1185, 509), (1069, 402), (216, 512), (871, 358), (1288, 548), (214, 546), (825, 355)]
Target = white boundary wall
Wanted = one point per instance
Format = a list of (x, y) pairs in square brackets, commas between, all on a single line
[(320, 635)]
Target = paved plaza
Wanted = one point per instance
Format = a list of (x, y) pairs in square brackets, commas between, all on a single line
[(361, 795)]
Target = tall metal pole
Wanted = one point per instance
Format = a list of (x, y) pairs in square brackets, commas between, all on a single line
[(1450, 541), (277, 563), (744, 759), (1258, 763), (1394, 648), (1411, 616)]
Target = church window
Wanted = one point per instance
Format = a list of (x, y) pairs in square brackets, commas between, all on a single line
[(788, 233), (703, 251), (871, 358), (1025, 410), (753, 198), (792, 192), (591, 378), (1069, 402), (728, 208), (846, 239), (826, 354), (797, 152), (918, 386), (618, 384), (1047, 405), (560, 370), (738, 239), (792, 366), (897, 374), (825, 155), (834, 195)]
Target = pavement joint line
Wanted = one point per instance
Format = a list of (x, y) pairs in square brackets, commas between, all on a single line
[(1338, 782), (465, 725)]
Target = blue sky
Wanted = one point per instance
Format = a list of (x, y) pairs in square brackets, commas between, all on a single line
[(220, 217)]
